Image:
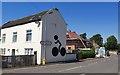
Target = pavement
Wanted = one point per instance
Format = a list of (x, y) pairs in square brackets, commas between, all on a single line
[(96, 65)]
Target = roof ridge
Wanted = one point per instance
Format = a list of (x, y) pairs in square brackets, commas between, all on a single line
[(32, 15), (24, 20), (27, 16)]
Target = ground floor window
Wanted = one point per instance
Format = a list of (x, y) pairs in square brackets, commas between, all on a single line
[(28, 51), (3, 51)]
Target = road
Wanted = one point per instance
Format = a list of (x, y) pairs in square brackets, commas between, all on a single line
[(97, 65)]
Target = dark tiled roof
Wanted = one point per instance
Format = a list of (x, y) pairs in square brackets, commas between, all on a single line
[(25, 20), (0, 29)]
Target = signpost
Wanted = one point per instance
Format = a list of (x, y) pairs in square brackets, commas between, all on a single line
[(46, 43)]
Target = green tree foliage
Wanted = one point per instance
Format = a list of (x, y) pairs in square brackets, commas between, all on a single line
[(111, 43), (97, 38), (83, 35)]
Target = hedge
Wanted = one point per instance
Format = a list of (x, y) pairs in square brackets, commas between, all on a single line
[(86, 53)]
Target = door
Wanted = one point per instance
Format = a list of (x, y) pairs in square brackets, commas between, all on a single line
[(13, 57), (13, 52), (35, 55)]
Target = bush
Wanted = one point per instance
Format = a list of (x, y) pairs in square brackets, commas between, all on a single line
[(86, 53)]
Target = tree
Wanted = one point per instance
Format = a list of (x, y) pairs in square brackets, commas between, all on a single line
[(83, 35), (111, 43), (97, 38)]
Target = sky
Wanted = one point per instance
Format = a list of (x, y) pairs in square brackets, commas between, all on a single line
[(82, 17)]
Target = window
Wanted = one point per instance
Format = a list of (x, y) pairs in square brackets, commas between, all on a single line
[(14, 37), (0, 39), (3, 51), (3, 38), (28, 51), (69, 47), (28, 35)]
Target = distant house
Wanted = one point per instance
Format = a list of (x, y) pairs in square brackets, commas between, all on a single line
[(42, 34), (75, 41)]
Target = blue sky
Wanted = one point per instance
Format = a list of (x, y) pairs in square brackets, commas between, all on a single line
[(90, 17)]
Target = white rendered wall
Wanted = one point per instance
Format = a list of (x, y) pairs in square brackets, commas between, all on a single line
[(21, 43)]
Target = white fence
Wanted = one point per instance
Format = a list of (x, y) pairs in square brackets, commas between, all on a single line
[(85, 48)]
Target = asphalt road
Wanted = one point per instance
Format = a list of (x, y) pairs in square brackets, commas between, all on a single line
[(98, 65)]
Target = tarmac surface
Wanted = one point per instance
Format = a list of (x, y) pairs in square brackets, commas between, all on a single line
[(96, 65)]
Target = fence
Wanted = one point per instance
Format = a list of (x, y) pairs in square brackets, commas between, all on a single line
[(18, 61), (71, 51)]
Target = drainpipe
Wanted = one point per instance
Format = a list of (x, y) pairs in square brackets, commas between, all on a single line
[(44, 50)]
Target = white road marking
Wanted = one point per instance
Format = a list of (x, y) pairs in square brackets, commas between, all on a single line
[(77, 67), (84, 66), (70, 69), (59, 64)]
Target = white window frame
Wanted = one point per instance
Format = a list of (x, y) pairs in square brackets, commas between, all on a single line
[(0, 39), (29, 35), (3, 38), (3, 51), (14, 39), (28, 51)]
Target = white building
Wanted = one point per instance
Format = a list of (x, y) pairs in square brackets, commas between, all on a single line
[(43, 34)]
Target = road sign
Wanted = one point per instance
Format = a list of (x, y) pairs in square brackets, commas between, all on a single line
[(45, 43)]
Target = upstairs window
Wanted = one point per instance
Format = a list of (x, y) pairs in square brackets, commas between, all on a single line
[(0, 39), (28, 35), (14, 37), (3, 38)]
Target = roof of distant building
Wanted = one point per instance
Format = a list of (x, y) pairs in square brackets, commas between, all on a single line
[(73, 35)]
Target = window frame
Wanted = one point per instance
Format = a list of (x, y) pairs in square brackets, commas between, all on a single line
[(3, 38), (14, 39), (3, 51), (28, 51), (29, 35)]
